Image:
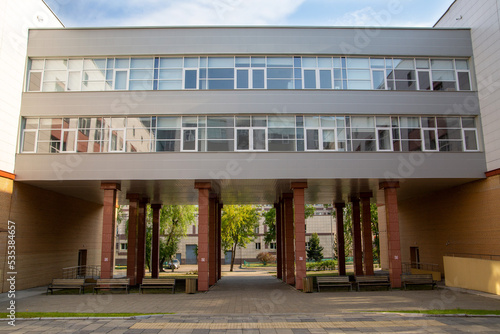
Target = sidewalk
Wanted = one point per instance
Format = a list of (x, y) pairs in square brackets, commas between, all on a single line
[(253, 292)]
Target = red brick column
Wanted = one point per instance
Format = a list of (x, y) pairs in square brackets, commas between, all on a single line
[(155, 241), (212, 254), (300, 232), (219, 240), (367, 233), (289, 244), (108, 229), (391, 209), (203, 233), (339, 211), (141, 239), (279, 264), (356, 237), (132, 237), (283, 240)]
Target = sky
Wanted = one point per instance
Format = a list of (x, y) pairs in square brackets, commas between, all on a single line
[(114, 13)]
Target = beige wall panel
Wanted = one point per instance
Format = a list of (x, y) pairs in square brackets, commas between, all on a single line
[(461, 220), (50, 229)]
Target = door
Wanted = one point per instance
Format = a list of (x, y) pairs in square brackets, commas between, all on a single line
[(227, 259), (414, 257), (178, 256), (82, 262), (191, 254)]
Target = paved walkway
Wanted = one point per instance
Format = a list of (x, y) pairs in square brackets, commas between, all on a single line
[(255, 302)]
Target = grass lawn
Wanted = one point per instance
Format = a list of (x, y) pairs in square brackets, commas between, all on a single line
[(453, 311), (72, 315)]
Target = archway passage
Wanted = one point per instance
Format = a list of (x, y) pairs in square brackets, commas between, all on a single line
[(289, 200)]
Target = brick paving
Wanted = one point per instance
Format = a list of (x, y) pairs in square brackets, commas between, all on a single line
[(255, 302)]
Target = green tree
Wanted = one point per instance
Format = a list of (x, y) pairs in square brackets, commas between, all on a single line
[(270, 222), (174, 221), (348, 229), (315, 251), (376, 240), (238, 227)]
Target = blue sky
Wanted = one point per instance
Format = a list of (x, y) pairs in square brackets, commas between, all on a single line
[(106, 13)]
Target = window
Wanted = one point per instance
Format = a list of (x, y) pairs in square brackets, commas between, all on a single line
[(272, 245), (321, 133), (123, 246), (257, 245)]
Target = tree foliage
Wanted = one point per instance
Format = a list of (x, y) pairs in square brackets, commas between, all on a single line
[(266, 257), (315, 251), (174, 221), (238, 227), (270, 222)]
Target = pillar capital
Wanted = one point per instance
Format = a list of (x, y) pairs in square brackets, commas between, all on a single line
[(110, 186), (354, 199), (202, 185), (287, 196), (389, 184), (133, 197), (144, 200), (156, 206), (339, 205), (366, 194), (300, 184)]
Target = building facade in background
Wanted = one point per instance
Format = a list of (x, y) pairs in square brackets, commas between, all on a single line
[(211, 116)]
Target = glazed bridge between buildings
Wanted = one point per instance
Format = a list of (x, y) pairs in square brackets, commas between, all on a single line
[(290, 233)]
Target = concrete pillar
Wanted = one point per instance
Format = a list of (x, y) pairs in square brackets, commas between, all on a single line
[(108, 229), (356, 237), (203, 233), (141, 239), (212, 244), (279, 264), (289, 243), (155, 241), (133, 207), (300, 232), (339, 211), (367, 233), (392, 219)]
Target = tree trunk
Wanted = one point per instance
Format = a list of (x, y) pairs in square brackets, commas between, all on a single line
[(233, 254), (162, 261)]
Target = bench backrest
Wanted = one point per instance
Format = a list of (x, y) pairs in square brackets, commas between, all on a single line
[(332, 279), (68, 281), (375, 279), (113, 281), (158, 281), (417, 278)]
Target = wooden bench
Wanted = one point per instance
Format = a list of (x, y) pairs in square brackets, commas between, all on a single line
[(373, 281), (66, 283), (112, 283), (157, 283), (333, 281), (417, 279)]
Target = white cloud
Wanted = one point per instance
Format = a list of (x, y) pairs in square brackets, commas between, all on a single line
[(382, 18), (211, 12)]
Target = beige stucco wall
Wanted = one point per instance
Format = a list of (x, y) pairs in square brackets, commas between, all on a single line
[(50, 229), (6, 187), (457, 220), (474, 274)]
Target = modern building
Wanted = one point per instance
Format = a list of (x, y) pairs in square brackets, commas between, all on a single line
[(15, 19), (282, 115)]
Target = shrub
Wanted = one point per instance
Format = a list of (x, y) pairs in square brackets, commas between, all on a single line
[(322, 265), (266, 257)]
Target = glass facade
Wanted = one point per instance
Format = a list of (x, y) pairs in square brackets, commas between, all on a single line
[(247, 72), (243, 133)]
